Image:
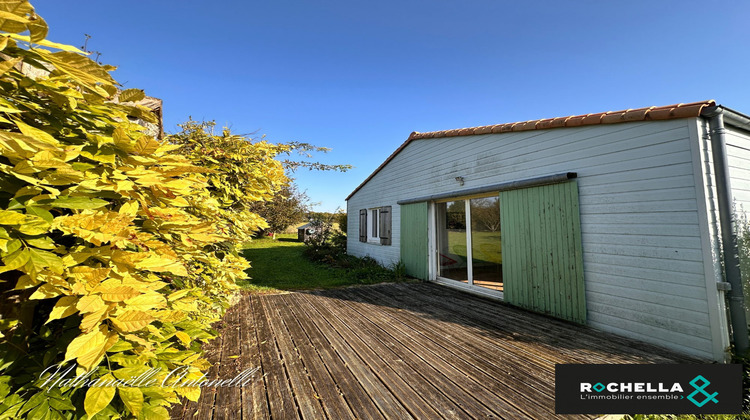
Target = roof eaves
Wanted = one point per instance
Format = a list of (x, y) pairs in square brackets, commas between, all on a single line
[(651, 113)]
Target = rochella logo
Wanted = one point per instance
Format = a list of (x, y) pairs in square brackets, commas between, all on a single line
[(699, 389), (699, 383), (631, 387)]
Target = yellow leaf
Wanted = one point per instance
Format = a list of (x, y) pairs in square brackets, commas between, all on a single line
[(133, 399), (78, 203), (151, 412), (93, 319), (183, 337), (39, 260), (26, 281), (14, 15), (171, 316), (91, 303), (187, 305), (192, 393), (19, 146), (93, 358), (130, 208), (45, 291), (38, 29), (96, 227), (15, 259), (87, 343), (160, 264), (131, 320), (5, 66), (119, 293), (44, 242), (47, 159), (120, 346), (8, 217), (89, 276), (147, 302), (138, 340), (46, 43), (81, 69), (178, 294), (97, 398), (10, 16), (146, 145), (131, 95), (36, 133), (33, 225), (66, 306)]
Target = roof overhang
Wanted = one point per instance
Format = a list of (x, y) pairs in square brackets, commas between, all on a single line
[(731, 117), (653, 113)]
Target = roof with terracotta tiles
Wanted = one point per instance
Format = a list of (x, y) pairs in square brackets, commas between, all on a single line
[(653, 113)]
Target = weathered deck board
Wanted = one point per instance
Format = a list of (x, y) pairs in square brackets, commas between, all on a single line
[(358, 400), (281, 401), (352, 355), (443, 375), (331, 398), (254, 399), (451, 357), (309, 406), (230, 366), (396, 351), (377, 362), (388, 350)]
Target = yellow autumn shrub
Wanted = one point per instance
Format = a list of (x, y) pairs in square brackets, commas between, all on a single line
[(117, 251)]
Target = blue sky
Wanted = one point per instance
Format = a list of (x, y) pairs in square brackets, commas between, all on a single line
[(358, 76)]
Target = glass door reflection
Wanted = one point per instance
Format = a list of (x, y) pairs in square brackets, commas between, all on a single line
[(452, 250), (469, 241), (486, 254)]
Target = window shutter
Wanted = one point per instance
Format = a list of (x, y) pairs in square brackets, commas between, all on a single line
[(363, 225), (385, 225)]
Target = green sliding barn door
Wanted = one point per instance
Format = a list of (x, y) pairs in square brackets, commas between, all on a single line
[(414, 241), (541, 248)]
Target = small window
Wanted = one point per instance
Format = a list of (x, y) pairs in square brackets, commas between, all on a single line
[(375, 225), (372, 221)]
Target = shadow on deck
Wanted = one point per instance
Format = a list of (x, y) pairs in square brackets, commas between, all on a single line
[(398, 351)]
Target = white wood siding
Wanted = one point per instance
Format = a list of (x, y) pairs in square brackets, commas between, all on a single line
[(738, 156), (709, 228), (643, 261)]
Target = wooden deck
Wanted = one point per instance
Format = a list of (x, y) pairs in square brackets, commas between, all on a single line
[(397, 351)]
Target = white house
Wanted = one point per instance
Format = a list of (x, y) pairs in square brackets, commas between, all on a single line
[(615, 220)]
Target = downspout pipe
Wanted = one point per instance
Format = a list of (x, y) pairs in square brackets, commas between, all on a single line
[(730, 250)]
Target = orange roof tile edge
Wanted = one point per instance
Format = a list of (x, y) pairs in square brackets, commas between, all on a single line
[(652, 113)]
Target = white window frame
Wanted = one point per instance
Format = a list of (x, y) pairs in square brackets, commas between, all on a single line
[(373, 225), (469, 287)]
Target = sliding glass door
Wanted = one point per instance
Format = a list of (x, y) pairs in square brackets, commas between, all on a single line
[(469, 241), (452, 250), (486, 256)]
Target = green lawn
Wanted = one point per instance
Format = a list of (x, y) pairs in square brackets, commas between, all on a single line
[(278, 265), (486, 247)]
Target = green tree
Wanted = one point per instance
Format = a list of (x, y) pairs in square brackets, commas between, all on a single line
[(235, 178), (288, 206)]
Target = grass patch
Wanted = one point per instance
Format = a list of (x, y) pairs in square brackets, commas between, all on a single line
[(278, 265)]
